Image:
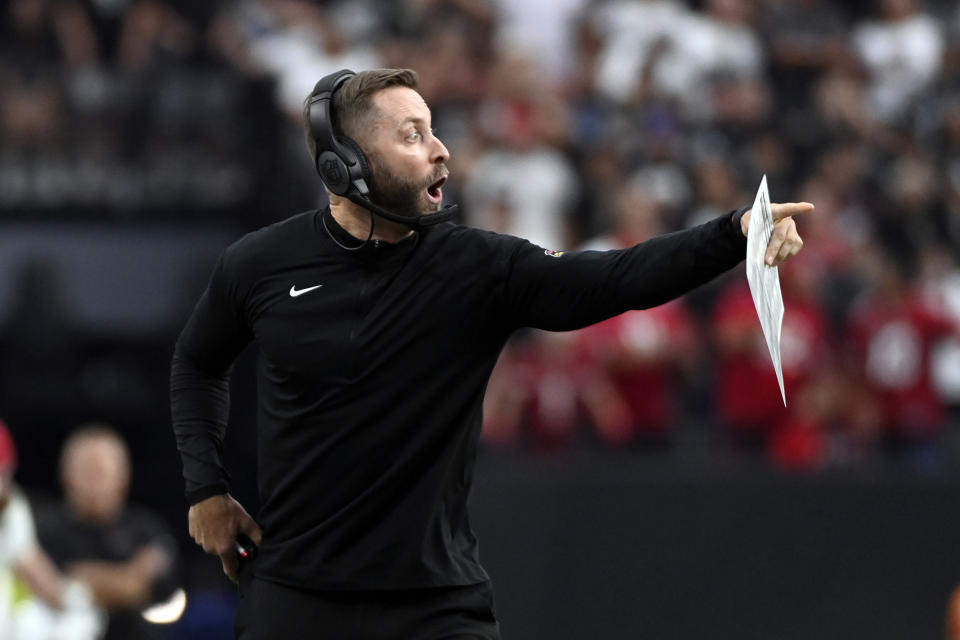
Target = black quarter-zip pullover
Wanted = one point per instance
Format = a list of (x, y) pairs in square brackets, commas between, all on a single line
[(371, 375)]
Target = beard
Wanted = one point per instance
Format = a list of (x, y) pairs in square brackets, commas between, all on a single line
[(401, 194)]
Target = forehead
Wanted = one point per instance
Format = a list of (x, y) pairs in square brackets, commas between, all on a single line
[(398, 105), (94, 450)]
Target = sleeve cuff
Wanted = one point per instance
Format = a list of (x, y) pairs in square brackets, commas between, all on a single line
[(202, 493), (735, 217)]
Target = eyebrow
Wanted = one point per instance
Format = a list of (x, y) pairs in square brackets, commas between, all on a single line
[(413, 119)]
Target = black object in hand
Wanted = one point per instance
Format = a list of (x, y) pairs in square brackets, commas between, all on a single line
[(246, 549)]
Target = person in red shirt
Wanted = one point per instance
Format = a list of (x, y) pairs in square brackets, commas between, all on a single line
[(533, 398), (747, 395), (891, 331), (640, 357), (546, 391)]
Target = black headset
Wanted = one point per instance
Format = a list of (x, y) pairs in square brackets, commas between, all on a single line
[(338, 159), (341, 162)]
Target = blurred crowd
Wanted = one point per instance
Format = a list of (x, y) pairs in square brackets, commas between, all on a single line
[(578, 124)]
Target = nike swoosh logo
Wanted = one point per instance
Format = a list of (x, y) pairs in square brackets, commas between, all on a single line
[(294, 292)]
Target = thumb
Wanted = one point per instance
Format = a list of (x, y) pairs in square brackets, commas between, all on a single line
[(252, 530), (231, 564)]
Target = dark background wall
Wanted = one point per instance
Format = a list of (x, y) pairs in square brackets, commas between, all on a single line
[(600, 547)]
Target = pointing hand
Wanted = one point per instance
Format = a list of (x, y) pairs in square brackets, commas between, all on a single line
[(785, 242)]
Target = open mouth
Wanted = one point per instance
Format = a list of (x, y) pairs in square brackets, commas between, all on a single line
[(435, 192)]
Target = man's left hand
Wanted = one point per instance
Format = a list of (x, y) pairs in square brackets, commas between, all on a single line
[(785, 242)]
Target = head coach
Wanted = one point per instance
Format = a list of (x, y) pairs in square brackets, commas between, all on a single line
[(378, 322)]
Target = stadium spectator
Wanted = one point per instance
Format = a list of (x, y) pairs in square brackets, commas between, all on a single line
[(641, 356), (634, 37), (807, 440), (545, 393), (747, 395), (890, 335), (290, 41), (716, 187), (939, 285), (802, 439), (942, 139), (124, 553), (902, 50), (55, 607), (36, 35), (803, 37), (532, 27), (523, 184)]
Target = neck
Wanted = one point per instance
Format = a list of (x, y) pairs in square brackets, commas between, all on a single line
[(355, 220)]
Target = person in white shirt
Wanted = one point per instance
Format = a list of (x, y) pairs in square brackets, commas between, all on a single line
[(61, 608), (902, 52)]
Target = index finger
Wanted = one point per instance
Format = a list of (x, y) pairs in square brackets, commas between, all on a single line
[(781, 210), (231, 564)]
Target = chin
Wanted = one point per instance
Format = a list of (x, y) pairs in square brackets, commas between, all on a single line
[(430, 207)]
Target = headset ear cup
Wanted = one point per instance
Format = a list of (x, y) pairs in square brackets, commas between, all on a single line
[(362, 169), (333, 171)]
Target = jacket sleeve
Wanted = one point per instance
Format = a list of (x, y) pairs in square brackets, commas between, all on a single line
[(215, 334), (561, 292)]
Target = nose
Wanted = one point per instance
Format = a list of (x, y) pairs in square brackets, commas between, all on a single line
[(440, 155)]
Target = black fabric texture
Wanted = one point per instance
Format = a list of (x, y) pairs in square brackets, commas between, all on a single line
[(370, 386)]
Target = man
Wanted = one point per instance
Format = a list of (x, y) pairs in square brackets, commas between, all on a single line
[(60, 607), (123, 553), (378, 325)]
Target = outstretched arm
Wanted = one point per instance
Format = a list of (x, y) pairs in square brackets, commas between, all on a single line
[(560, 292)]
